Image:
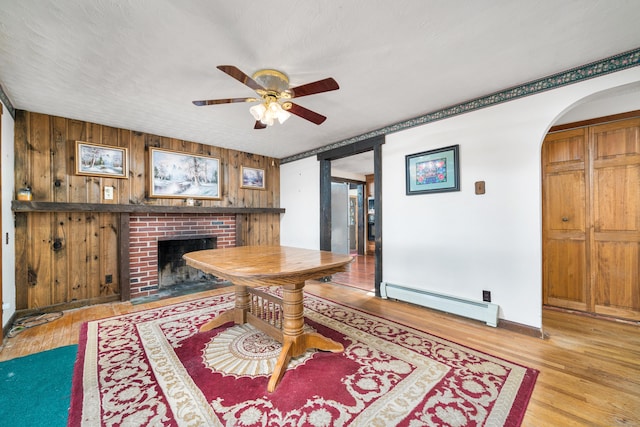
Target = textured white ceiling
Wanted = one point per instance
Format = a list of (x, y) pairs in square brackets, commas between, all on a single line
[(138, 64)]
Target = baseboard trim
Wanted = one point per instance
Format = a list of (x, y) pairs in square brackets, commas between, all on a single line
[(592, 315), (521, 329), (7, 328)]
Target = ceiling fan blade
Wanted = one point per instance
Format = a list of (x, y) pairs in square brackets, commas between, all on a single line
[(320, 86), (240, 76), (223, 101), (307, 114), (259, 125)]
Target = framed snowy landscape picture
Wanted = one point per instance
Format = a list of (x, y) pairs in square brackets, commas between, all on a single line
[(101, 160), (183, 175)]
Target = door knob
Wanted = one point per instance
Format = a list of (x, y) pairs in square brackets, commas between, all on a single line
[(565, 219)]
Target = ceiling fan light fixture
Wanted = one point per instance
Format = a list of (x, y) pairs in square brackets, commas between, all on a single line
[(272, 86), (268, 112), (283, 116), (272, 80), (257, 111), (276, 110), (267, 120)]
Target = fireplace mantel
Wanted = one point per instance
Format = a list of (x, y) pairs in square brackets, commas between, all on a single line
[(33, 206), (129, 213)]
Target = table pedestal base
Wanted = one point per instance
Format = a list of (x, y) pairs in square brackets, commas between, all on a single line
[(282, 319)]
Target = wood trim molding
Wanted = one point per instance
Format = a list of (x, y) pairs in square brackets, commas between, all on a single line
[(592, 70), (4, 99), (521, 329), (597, 121), (124, 259), (325, 204), (31, 206), (1, 243), (377, 204), (239, 236)]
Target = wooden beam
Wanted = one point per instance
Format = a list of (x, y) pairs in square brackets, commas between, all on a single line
[(325, 205), (596, 121), (31, 206), (123, 255), (352, 149), (377, 201)]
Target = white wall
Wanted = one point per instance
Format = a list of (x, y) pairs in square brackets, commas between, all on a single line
[(8, 250), (460, 243), (300, 196), (614, 101), (337, 173)]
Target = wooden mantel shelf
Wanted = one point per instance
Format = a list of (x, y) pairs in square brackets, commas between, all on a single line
[(33, 206)]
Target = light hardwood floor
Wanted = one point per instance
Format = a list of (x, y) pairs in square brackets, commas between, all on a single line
[(589, 368), (361, 273)]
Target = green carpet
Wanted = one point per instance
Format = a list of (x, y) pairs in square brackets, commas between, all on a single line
[(35, 390)]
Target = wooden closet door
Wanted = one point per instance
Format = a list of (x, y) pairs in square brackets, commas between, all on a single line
[(615, 254), (591, 219), (565, 242)]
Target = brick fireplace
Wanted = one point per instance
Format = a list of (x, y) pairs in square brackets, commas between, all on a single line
[(146, 229)]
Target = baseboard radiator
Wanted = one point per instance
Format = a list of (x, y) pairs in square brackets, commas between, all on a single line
[(478, 310)]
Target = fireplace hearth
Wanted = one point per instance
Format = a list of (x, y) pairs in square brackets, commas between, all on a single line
[(172, 269), (150, 231)]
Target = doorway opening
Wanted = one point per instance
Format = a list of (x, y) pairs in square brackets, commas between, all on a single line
[(349, 226), (354, 166), (590, 209), (590, 205), (351, 232)]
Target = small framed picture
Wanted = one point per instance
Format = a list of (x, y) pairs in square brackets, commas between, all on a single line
[(433, 171), (174, 174), (252, 178), (101, 160)]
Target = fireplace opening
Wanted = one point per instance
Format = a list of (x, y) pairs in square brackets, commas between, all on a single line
[(172, 268)]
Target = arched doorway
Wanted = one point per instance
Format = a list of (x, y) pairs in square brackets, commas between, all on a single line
[(591, 209)]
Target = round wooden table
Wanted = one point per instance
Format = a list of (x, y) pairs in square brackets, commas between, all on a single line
[(249, 267)]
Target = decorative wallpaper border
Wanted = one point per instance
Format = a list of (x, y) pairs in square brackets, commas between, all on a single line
[(5, 100), (595, 69)]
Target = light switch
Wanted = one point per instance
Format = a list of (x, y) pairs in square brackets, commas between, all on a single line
[(108, 193), (479, 187)]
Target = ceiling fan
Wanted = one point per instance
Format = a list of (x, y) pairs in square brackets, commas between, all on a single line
[(272, 87)]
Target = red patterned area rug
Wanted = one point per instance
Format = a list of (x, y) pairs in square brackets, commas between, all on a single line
[(154, 368)]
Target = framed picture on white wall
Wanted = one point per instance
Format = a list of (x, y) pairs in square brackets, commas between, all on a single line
[(433, 171)]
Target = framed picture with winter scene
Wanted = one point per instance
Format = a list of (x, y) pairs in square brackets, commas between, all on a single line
[(252, 178), (101, 160), (183, 175)]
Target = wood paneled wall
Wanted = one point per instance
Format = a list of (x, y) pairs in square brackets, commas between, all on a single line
[(64, 258)]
